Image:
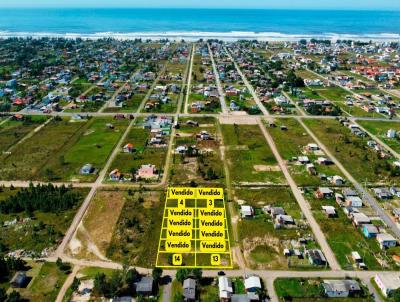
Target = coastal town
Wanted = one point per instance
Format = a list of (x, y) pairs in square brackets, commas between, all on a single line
[(302, 138)]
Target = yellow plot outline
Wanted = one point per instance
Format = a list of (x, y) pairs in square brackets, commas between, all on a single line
[(196, 238)]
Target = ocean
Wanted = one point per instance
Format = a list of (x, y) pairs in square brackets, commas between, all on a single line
[(191, 24)]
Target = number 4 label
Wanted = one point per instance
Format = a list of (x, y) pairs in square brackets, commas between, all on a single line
[(181, 203)]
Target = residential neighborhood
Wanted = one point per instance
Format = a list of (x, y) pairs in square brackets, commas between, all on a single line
[(302, 137)]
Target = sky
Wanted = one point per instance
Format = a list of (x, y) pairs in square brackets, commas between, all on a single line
[(293, 4)]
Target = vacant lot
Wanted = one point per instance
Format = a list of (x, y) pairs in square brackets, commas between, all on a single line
[(249, 158), (92, 144), (137, 232), (29, 157), (352, 152), (93, 238), (13, 131), (291, 143)]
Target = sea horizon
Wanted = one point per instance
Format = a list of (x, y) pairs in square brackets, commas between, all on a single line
[(197, 23)]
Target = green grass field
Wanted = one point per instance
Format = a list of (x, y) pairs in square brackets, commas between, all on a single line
[(380, 129), (352, 152), (93, 144), (248, 155), (13, 131), (291, 143), (28, 158)]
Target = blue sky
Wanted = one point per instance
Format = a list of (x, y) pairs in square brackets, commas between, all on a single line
[(318, 4)]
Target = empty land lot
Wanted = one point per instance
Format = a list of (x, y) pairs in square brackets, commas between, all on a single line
[(249, 158), (352, 152)]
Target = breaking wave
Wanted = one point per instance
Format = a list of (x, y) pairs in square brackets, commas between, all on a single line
[(195, 35)]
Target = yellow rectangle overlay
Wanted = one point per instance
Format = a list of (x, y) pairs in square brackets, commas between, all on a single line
[(182, 193), (213, 246), (210, 193), (196, 234), (178, 246), (179, 223)]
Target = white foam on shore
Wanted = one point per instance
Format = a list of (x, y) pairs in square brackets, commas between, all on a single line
[(195, 35)]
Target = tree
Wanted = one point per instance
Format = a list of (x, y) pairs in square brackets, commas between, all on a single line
[(396, 295), (100, 285), (197, 273), (157, 273), (131, 277), (14, 297), (115, 283), (181, 274), (59, 263), (178, 297), (75, 284), (3, 294)]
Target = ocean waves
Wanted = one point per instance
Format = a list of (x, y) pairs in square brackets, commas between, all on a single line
[(196, 35)]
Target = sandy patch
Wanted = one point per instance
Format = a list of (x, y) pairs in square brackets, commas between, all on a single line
[(240, 202), (240, 120), (237, 147), (88, 132), (184, 134), (265, 168)]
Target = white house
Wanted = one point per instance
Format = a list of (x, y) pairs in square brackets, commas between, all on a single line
[(225, 288), (391, 133), (387, 282), (246, 211), (252, 284)]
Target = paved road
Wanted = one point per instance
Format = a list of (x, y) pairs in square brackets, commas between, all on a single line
[(218, 82), (364, 193), (304, 205), (372, 290), (249, 87)]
